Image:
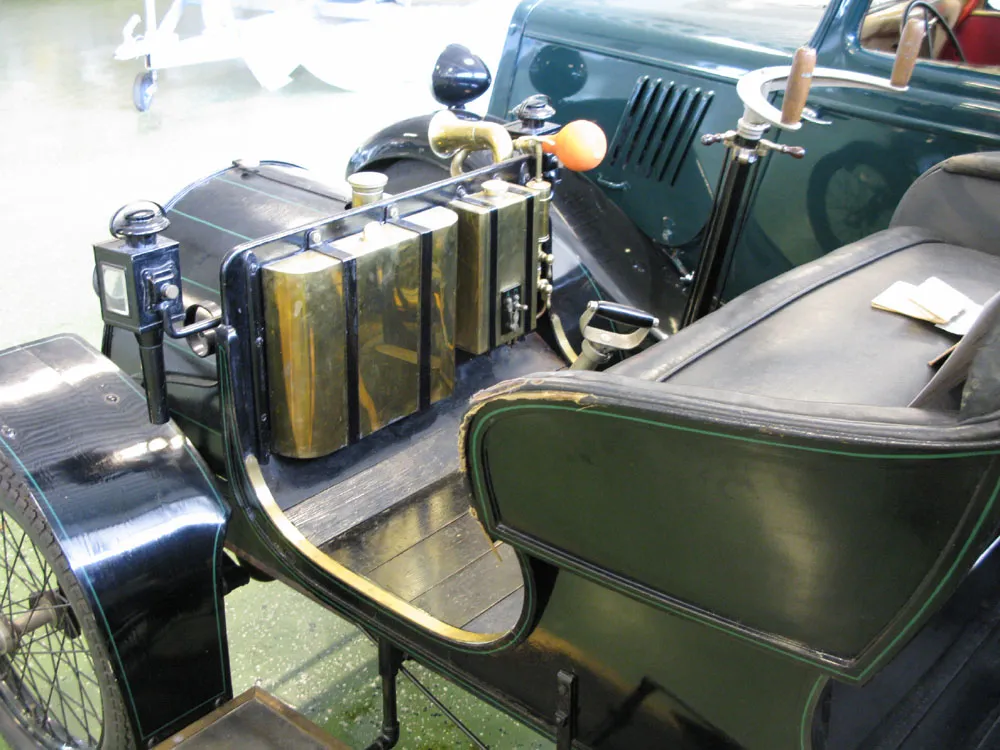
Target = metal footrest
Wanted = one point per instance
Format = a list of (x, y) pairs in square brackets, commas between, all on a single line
[(254, 720)]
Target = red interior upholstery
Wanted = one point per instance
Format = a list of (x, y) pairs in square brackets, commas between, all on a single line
[(979, 36), (970, 5)]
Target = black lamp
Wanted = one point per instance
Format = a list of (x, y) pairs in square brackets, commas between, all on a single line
[(139, 283), (459, 77)]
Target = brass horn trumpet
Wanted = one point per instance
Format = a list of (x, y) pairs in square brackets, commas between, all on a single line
[(451, 136)]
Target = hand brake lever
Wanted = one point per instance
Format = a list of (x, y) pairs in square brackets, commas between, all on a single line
[(599, 344)]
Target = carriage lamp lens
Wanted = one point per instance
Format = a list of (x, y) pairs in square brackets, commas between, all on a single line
[(115, 287)]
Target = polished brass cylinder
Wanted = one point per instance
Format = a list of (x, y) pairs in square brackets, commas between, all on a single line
[(306, 349), (543, 201), (367, 187)]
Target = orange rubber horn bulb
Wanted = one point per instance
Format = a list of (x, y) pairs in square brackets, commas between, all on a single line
[(580, 146)]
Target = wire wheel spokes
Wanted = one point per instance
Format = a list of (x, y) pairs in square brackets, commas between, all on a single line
[(48, 679)]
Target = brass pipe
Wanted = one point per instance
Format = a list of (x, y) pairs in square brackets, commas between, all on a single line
[(450, 136), (530, 144)]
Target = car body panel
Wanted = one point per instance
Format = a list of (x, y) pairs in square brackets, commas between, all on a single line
[(590, 58), (138, 517)]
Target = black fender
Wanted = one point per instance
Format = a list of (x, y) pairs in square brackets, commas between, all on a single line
[(137, 515), (599, 252), (406, 139)]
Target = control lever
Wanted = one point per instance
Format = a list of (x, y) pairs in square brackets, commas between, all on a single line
[(797, 87), (599, 344), (746, 148), (911, 39), (796, 80)]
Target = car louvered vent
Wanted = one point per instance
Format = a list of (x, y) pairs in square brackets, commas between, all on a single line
[(657, 128)]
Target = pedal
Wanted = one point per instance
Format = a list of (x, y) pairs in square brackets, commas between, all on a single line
[(599, 344)]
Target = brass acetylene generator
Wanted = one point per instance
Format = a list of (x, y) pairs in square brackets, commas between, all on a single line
[(362, 301)]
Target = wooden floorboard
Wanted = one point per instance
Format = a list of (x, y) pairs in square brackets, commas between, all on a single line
[(500, 617), (394, 507), (471, 591), (431, 560), (352, 501), (391, 533), (324, 497), (433, 553)]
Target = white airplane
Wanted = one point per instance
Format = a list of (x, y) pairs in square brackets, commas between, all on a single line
[(258, 38)]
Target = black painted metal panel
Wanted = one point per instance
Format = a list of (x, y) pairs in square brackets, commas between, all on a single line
[(208, 219), (138, 517), (831, 549)]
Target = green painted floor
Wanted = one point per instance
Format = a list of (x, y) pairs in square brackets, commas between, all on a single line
[(73, 149), (326, 668)]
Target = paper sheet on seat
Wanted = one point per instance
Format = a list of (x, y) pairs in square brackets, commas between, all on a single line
[(897, 299), (934, 301), (955, 311)]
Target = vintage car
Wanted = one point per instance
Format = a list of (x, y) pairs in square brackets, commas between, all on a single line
[(493, 418), (656, 74)]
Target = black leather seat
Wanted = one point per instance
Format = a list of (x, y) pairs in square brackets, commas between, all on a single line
[(762, 469), (812, 335)]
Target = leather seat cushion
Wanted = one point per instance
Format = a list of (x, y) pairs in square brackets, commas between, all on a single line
[(812, 335)]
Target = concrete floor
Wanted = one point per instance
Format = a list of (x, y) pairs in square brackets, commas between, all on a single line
[(73, 149)]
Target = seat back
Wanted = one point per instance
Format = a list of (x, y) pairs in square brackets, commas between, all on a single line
[(958, 200), (937, 394), (981, 395), (978, 34)]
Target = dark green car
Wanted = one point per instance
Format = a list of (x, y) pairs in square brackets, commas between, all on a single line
[(657, 74), (772, 525)]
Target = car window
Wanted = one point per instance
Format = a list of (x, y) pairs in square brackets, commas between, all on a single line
[(958, 31)]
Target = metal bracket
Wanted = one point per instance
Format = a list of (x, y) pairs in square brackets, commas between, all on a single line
[(611, 185), (754, 87), (566, 710), (763, 147)]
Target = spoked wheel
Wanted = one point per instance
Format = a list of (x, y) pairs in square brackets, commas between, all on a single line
[(852, 196), (56, 681)]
